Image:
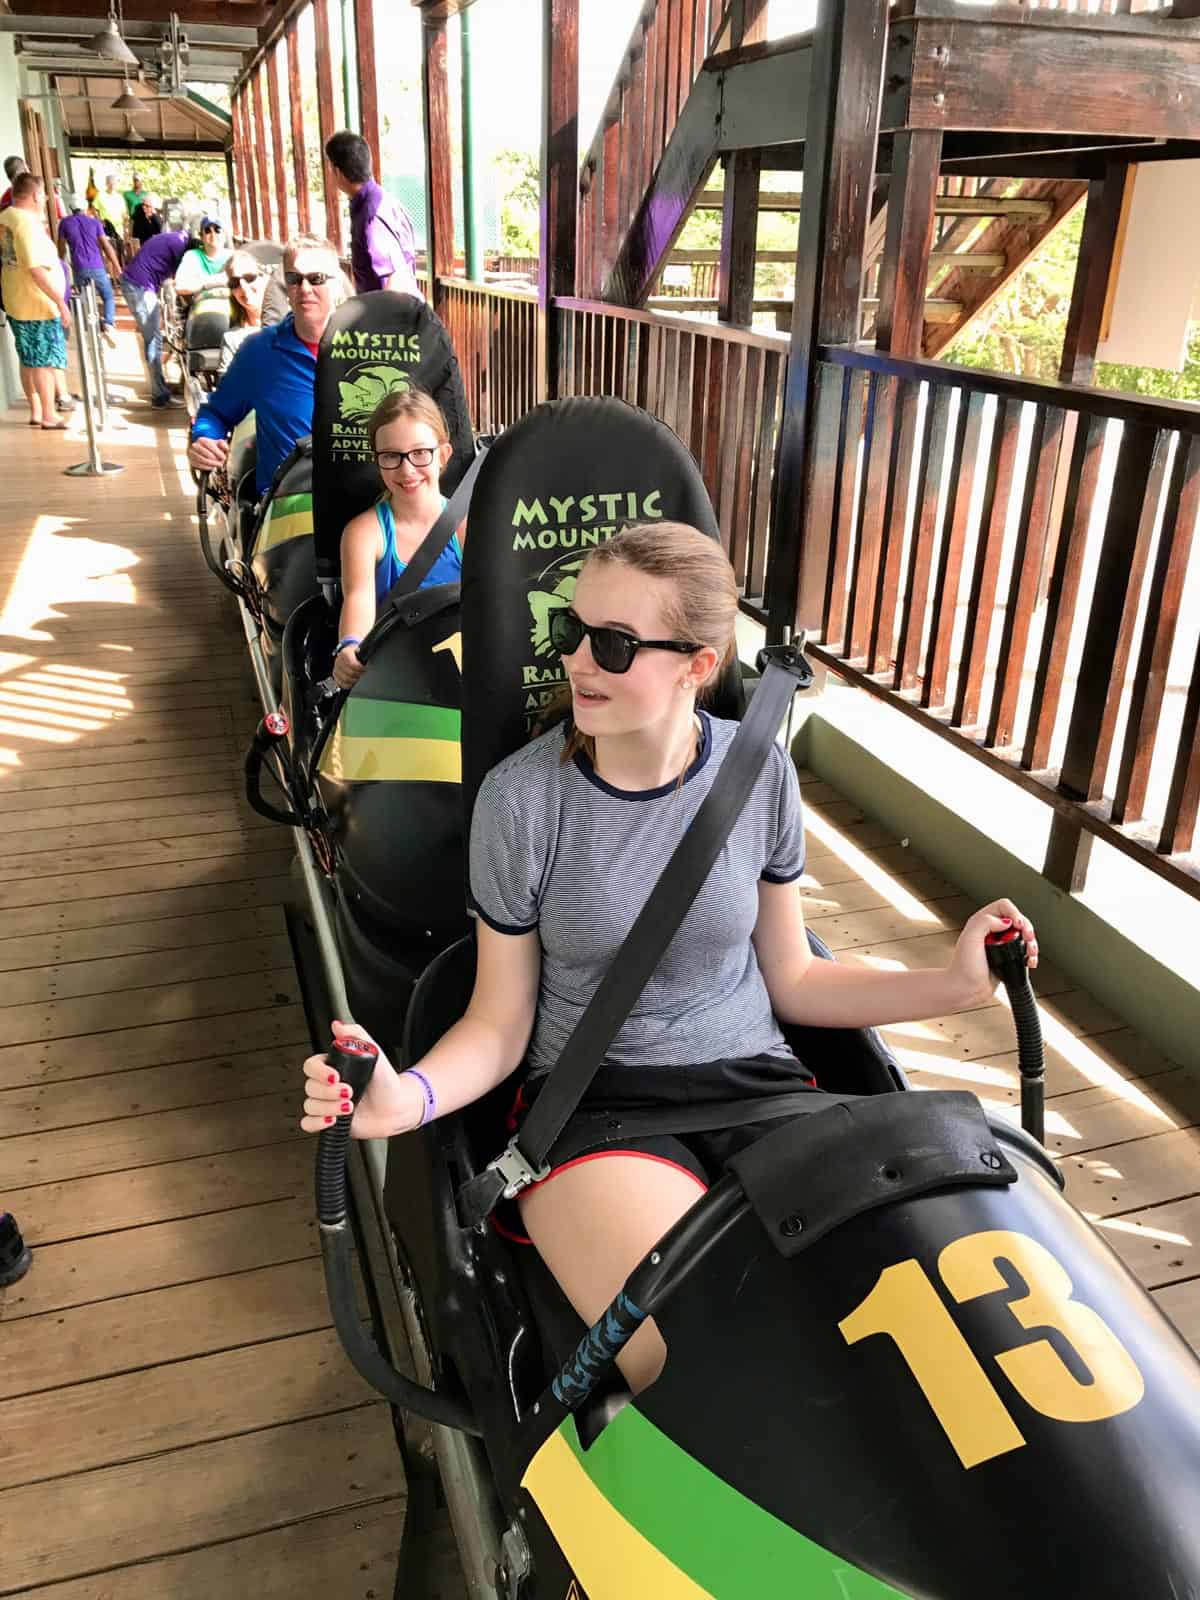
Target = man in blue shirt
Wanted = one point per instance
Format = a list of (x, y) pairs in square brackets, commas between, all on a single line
[(382, 243), (141, 284), (274, 372)]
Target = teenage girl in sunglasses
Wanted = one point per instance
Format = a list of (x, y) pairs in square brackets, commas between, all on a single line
[(247, 280), (567, 837), (411, 444)]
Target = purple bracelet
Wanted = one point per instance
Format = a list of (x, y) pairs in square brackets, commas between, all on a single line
[(429, 1109)]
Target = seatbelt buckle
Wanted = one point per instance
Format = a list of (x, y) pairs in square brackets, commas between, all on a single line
[(502, 1179), (790, 657)]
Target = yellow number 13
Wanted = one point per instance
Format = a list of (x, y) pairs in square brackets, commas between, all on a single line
[(905, 1305)]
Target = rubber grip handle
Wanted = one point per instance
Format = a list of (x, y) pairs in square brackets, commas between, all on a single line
[(1006, 954), (354, 1062)]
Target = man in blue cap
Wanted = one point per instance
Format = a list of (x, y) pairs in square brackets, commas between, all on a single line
[(205, 264)]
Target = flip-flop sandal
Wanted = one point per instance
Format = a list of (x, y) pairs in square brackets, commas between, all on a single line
[(53, 427)]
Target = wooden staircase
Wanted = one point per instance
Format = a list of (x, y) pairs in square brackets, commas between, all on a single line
[(986, 230)]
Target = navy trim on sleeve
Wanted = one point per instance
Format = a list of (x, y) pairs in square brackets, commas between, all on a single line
[(497, 927), (775, 877)]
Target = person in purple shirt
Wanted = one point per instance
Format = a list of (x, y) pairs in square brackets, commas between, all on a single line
[(91, 257), (382, 243), (141, 283)]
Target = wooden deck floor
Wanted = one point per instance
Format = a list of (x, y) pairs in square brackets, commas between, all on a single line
[(177, 1418)]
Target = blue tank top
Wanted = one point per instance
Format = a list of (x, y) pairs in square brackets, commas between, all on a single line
[(446, 569)]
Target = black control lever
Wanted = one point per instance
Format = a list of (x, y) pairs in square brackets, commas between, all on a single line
[(354, 1062), (1006, 957), (270, 733)]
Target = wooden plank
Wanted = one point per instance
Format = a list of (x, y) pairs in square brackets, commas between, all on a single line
[(82, 1208), (218, 1491), (915, 585), (273, 70), (368, 78), (439, 185), (985, 76), (1159, 627), (106, 1097), (162, 1255), (347, 1553), (326, 119), (95, 1344), (1161, 1244), (916, 159), (131, 974), (1120, 1178), (65, 1153), (196, 858), (138, 938), (1183, 799), (253, 880), (981, 604), (1181, 1302), (883, 645), (122, 1049), (1106, 1115), (964, 462), (296, 110), (879, 450), (255, 86), (22, 792), (108, 817)]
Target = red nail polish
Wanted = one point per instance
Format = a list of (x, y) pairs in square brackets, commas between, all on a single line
[(328, 1119), (1006, 919), (333, 1077)]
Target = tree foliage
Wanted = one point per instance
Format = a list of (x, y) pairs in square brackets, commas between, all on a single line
[(1022, 332)]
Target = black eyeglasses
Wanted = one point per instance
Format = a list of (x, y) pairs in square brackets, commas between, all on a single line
[(613, 650), (389, 460), (246, 277), (317, 279)]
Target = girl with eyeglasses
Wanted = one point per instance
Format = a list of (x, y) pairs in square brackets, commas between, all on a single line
[(411, 444), (247, 280), (568, 836)]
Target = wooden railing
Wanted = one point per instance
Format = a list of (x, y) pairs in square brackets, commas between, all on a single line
[(670, 41), (495, 333), (1006, 560), (720, 389)]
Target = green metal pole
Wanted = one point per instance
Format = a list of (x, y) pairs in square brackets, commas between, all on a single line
[(472, 233)]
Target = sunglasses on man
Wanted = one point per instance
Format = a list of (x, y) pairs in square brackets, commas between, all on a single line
[(317, 279), (613, 649)]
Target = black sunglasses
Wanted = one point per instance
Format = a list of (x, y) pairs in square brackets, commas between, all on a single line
[(317, 279), (246, 277), (612, 649)]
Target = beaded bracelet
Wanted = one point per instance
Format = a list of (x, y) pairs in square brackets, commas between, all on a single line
[(429, 1109)]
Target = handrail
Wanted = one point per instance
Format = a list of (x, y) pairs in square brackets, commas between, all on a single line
[(778, 342), (500, 291), (1179, 415)]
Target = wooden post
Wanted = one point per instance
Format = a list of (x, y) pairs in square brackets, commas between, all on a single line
[(439, 185), (325, 118), (900, 321), (739, 214), (296, 109), (842, 134), (260, 150), (273, 67), (1069, 847), (235, 195), (560, 176), (241, 112), (368, 79)]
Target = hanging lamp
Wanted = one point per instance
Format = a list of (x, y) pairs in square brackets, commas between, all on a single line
[(109, 43)]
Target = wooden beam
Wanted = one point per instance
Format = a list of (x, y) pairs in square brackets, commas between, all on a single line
[(560, 149), (842, 135), (325, 118), (1107, 209), (439, 184), (769, 200), (191, 13), (261, 171), (368, 78), (273, 67), (241, 146), (1043, 77), (912, 199), (296, 110), (739, 239)]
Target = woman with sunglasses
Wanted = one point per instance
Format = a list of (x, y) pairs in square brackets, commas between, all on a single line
[(247, 285), (411, 445), (567, 837)]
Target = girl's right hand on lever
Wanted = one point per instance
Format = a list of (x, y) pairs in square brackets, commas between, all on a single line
[(392, 1103)]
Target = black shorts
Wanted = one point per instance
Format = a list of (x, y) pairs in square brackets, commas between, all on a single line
[(617, 1089)]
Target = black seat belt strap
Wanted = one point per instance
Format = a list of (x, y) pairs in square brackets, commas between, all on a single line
[(523, 1161)]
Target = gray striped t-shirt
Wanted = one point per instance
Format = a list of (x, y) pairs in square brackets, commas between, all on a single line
[(555, 848)]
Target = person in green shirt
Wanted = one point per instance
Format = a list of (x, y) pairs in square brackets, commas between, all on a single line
[(205, 262), (134, 196)]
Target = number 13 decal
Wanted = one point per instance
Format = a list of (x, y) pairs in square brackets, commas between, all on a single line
[(906, 1306)]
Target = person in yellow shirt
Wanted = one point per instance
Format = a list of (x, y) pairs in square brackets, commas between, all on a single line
[(34, 297), (109, 206)]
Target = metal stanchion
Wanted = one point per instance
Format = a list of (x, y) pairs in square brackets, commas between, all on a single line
[(91, 379), (93, 326)]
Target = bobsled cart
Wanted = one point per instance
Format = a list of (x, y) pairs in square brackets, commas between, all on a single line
[(900, 1363)]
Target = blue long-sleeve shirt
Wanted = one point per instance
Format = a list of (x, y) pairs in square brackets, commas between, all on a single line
[(273, 375)]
